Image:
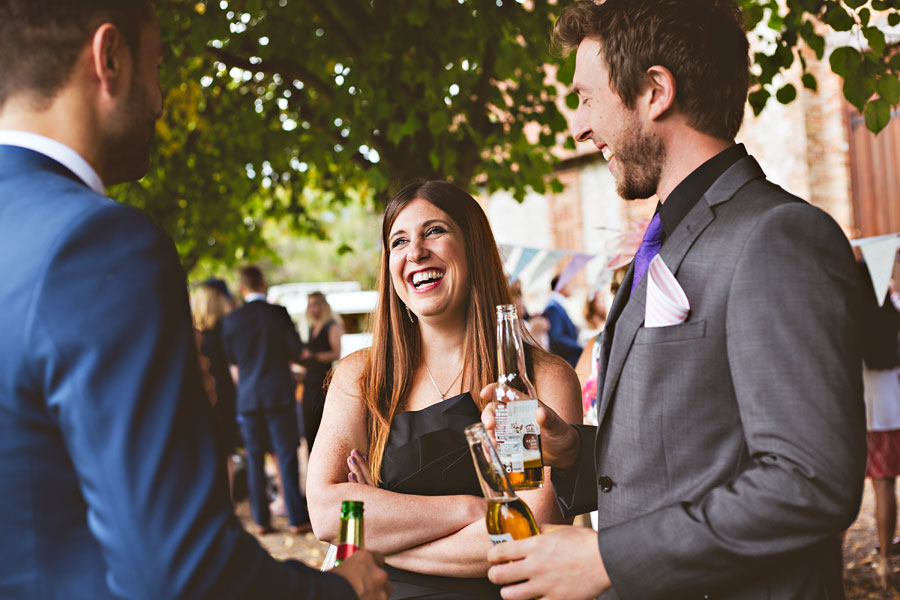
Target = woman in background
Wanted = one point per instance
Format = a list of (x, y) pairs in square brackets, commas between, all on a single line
[(323, 348), (209, 303)]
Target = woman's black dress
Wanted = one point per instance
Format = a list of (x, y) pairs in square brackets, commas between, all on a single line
[(224, 415), (313, 382), (427, 454)]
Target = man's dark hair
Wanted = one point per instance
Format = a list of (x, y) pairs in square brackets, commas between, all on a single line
[(40, 40), (702, 43), (251, 278)]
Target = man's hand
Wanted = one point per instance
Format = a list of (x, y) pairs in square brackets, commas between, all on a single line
[(363, 571), (563, 563), (559, 441)]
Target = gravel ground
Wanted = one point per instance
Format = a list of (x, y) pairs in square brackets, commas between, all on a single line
[(860, 582)]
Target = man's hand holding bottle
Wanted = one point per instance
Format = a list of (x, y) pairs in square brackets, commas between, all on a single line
[(363, 571), (559, 440)]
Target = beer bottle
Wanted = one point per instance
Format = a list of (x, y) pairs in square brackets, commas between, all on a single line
[(508, 517), (350, 538), (515, 402)]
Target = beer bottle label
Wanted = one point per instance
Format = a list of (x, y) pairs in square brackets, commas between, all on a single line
[(517, 434), (345, 550), (499, 538)]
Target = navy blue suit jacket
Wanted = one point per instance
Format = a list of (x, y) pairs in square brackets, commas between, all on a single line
[(563, 333), (108, 468), (262, 340)]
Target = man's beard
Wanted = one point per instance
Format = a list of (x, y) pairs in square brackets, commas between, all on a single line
[(639, 159), (127, 145)]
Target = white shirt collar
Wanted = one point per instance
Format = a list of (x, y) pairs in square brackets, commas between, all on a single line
[(254, 296), (58, 152), (559, 298)]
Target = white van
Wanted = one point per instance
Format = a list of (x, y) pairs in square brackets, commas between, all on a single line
[(348, 301)]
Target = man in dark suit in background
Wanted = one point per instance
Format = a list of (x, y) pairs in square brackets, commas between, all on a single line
[(110, 483), (261, 342), (563, 332), (730, 446)]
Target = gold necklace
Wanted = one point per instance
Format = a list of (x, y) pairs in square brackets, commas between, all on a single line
[(443, 395)]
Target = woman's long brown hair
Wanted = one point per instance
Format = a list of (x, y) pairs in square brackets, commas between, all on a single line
[(396, 344)]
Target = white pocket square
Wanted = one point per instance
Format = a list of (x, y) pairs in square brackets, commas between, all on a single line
[(666, 302)]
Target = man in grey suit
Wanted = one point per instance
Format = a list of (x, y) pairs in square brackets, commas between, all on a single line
[(730, 449)]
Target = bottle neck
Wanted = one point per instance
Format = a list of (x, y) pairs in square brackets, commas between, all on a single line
[(511, 368), (491, 474)]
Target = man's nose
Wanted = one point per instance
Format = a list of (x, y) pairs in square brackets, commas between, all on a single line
[(581, 126)]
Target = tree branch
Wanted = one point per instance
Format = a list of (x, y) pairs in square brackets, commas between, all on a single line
[(334, 24), (287, 68)]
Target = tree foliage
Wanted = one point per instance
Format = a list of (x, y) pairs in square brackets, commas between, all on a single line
[(271, 101), (868, 65)]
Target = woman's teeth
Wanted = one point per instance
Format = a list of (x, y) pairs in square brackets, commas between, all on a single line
[(426, 277), (607, 153)]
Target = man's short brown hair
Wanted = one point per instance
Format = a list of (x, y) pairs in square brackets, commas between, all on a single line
[(701, 42), (251, 278), (40, 40)]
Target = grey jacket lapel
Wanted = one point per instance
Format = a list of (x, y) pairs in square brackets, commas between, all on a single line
[(673, 252)]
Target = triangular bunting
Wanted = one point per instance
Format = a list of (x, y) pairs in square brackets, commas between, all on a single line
[(547, 262), (879, 253), (572, 268), (525, 259)]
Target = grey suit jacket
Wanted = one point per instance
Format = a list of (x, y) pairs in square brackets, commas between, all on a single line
[(730, 450)]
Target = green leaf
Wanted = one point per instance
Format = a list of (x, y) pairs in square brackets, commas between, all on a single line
[(893, 19), (857, 90), (845, 61), (888, 88), (758, 99), (786, 94), (894, 62), (809, 82), (556, 186), (838, 18), (572, 101), (864, 16), (875, 37), (878, 115), (817, 43), (854, 4)]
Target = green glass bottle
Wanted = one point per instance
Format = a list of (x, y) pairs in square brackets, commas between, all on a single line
[(350, 538)]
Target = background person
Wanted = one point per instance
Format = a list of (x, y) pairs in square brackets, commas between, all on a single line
[(109, 469), (406, 401), (563, 332), (881, 353), (261, 342), (209, 306), (323, 348)]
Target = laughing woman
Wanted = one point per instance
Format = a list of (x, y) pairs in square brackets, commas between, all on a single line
[(405, 402)]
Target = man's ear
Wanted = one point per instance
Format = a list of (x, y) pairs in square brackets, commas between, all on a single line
[(662, 89), (109, 55)]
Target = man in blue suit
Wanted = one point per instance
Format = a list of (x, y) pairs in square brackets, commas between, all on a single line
[(109, 473), (563, 332), (261, 342)]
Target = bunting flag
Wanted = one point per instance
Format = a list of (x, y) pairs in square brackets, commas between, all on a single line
[(525, 259), (549, 260), (506, 251), (879, 253), (575, 264)]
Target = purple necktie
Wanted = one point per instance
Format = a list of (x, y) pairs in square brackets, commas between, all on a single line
[(647, 250)]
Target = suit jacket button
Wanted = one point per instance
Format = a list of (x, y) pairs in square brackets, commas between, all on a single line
[(605, 483)]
